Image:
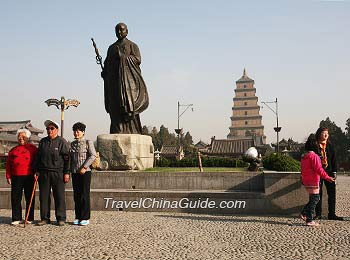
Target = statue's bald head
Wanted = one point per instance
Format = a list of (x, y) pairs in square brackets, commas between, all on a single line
[(121, 31), (120, 25)]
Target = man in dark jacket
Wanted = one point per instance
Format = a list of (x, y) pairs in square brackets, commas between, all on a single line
[(329, 164), (51, 164)]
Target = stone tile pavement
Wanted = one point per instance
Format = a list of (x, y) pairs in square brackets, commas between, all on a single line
[(150, 236)]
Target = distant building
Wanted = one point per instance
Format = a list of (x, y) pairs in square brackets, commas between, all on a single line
[(290, 148), (246, 128), (230, 147), (201, 146), (172, 152), (245, 119), (8, 138)]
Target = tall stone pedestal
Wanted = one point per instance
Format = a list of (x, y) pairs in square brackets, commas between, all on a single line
[(125, 151)]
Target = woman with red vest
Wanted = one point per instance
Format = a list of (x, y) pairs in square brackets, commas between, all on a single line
[(20, 175)]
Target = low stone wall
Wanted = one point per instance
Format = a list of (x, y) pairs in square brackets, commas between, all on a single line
[(269, 193), (284, 192), (236, 181)]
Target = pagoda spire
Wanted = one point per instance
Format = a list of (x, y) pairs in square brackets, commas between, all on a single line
[(244, 73)]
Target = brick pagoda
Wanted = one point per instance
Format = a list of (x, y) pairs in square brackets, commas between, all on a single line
[(246, 120)]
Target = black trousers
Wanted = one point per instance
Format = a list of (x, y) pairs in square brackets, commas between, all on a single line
[(52, 180), (331, 191), (81, 187), (18, 184), (309, 208)]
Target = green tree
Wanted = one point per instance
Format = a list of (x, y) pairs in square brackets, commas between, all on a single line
[(347, 128), (188, 139), (155, 139), (154, 131), (163, 137), (187, 143), (338, 139), (145, 130)]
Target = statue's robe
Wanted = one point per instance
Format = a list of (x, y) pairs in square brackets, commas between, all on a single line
[(124, 89)]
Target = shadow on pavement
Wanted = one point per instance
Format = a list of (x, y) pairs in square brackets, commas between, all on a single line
[(5, 220), (221, 219)]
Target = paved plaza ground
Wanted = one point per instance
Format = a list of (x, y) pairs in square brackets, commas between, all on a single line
[(146, 236)]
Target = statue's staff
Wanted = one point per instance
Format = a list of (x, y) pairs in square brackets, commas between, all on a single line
[(98, 56)]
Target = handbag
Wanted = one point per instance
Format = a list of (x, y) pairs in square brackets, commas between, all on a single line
[(97, 160)]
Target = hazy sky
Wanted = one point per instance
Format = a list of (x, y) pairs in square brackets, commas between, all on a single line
[(192, 52)]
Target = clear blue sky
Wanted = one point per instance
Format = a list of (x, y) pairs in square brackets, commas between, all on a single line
[(192, 52)]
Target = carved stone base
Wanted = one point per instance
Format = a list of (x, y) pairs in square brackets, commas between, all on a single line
[(125, 151)]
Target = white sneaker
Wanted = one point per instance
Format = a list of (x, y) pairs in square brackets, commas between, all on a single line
[(84, 223), (14, 223), (76, 222), (28, 222)]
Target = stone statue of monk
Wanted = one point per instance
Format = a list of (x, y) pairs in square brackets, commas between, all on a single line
[(125, 91)]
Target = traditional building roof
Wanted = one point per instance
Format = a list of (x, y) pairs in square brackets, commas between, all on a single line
[(231, 147), (13, 138), (244, 78), (289, 145), (169, 150), (8, 137), (3, 149), (10, 126), (200, 145)]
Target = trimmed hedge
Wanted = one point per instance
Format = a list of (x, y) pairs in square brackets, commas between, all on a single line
[(278, 162), (162, 162), (2, 163), (206, 162)]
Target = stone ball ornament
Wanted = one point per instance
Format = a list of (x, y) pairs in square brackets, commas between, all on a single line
[(251, 156), (251, 153)]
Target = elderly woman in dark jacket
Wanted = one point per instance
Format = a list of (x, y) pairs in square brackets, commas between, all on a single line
[(82, 155)]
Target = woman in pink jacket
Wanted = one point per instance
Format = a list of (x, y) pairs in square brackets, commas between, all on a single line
[(311, 172)]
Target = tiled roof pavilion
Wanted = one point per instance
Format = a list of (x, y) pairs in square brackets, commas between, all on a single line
[(8, 138), (10, 126), (231, 147)]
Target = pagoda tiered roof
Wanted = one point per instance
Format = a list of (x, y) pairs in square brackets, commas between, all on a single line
[(244, 78)]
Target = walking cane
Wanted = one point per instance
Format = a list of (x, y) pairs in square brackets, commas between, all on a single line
[(31, 200)]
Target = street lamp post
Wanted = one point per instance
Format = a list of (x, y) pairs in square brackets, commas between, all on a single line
[(179, 131), (277, 128), (62, 105)]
